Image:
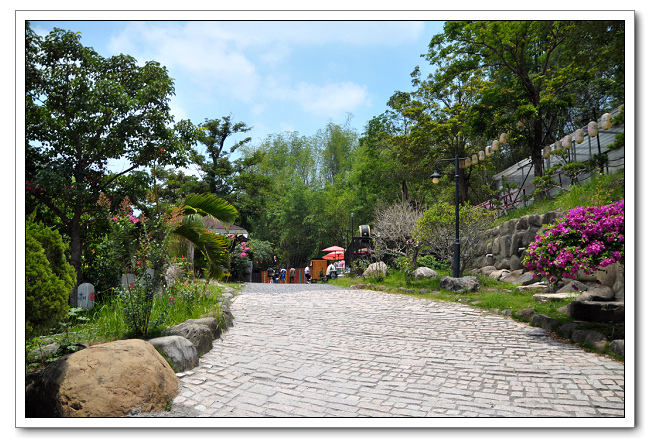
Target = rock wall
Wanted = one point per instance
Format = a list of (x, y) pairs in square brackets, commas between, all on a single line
[(505, 244), (505, 247)]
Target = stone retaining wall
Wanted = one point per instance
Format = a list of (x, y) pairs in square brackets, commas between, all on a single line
[(505, 244)]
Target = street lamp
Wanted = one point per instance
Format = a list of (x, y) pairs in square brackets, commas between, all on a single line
[(435, 177)]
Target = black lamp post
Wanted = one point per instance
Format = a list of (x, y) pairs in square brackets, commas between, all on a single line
[(435, 177)]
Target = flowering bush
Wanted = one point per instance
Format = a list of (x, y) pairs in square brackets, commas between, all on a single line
[(239, 257), (586, 238), (135, 245)]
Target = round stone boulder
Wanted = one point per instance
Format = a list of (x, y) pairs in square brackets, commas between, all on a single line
[(424, 272), (461, 284), (105, 380), (179, 352)]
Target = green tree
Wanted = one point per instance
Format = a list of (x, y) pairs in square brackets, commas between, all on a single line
[(536, 65), (216, 166), (49, 278), (84, 110)]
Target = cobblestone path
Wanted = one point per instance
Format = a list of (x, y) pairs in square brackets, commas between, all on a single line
[(321, 351)]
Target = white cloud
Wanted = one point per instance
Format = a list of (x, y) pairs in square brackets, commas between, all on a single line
[(331, 98)]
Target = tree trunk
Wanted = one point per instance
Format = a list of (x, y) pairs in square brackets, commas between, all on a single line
[(75, 254)]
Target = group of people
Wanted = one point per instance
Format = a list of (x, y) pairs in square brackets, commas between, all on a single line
[(280, 276)]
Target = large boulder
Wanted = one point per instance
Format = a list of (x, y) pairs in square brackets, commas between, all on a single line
[(512, 276), (461, 284), (589, 337), (378, 269), (600, 294), (198, 334), (424, 272), (105, 380), (597, 311), (179, 352), (618, 346), (574, 286)]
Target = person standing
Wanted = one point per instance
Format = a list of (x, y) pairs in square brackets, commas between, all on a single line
[(283, 275), (308, 274), (269, 273), (292, 275)]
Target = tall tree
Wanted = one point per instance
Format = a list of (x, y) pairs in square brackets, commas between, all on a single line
[(83, 110), (538, 65), (215, 163)]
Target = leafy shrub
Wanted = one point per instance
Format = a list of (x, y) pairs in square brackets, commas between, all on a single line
[(49, 278), (585, 238), (138, 301), (431, 262)]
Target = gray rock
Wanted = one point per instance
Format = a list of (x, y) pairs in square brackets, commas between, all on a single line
[(378, 269), (515, 263), (597, 311), (487, 270), (197, 334), (211, 322), (589, 337), (552, 297), (527, 278), (573, 286), (522, 223), (546, 322), (498, 273), (502, 264), (424, 272), (600, 294), (566, 329), (505, 242), (506, 312), (618, 346), (423, 291), (535, 288), (178, 351), (461, 284), (526, 313), (535, 220), (512, 276)]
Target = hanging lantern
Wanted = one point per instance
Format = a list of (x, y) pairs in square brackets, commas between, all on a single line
[(474, 159), (547, 152), (521, 123), (488, 151), (592, 129), (579, 135), (503, 138), (495, 145), (468, 162), (606, 121), (566, 142), (558, 145), (481, 155)]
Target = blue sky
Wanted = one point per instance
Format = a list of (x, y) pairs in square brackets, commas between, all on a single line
[(276, 76)]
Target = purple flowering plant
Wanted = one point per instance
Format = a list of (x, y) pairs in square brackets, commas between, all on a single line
[(586, 238)]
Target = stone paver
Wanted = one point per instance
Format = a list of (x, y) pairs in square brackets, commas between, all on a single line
[(320, 351)]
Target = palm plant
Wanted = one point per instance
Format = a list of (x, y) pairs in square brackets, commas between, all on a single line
[(213, 246)]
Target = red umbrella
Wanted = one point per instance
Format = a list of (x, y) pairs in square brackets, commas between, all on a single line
[(334, 249), (334, 256)]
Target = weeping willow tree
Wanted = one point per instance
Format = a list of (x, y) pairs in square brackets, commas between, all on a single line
[(192, 231)]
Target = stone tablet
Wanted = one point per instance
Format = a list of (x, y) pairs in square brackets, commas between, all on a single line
[(86, 296)]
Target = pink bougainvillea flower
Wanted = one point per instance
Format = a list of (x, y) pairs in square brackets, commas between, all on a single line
[(243, 254)]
